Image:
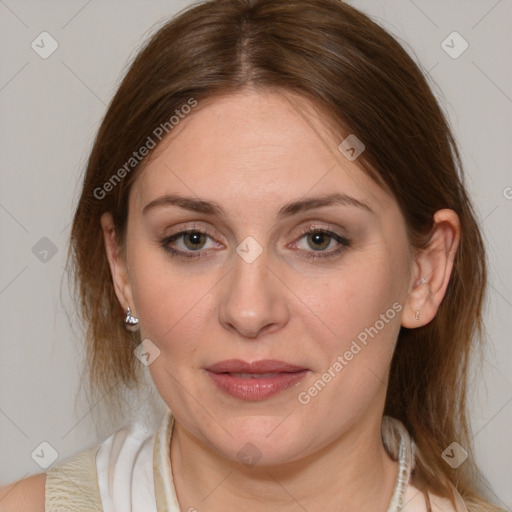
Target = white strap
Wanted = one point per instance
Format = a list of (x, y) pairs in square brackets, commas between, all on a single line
[(124, 464)]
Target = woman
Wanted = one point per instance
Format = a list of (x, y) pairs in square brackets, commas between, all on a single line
[(274, 223)]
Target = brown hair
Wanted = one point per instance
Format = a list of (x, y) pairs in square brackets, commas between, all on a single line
[(345, 64)]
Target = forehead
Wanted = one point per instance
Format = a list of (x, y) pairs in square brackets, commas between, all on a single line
[(253, 149)]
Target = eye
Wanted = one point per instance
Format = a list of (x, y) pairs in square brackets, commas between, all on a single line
[(192, 241), (320, 239)]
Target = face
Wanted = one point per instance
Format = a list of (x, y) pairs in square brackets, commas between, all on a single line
[(316, 285)]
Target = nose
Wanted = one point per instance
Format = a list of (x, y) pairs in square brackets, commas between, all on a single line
[(254, 299)]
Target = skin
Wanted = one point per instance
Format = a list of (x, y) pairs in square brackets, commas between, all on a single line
[(252, 153)]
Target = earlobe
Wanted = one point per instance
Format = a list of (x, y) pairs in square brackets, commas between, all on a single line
[(116, 262), (416, 313), (434, 265)]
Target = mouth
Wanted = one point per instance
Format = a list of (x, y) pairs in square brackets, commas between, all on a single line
[(253, 375), (255, 381)]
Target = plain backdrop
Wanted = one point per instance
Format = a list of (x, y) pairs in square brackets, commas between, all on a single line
[(50, 110)]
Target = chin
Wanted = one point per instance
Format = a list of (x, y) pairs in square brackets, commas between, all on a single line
[(260, 440)]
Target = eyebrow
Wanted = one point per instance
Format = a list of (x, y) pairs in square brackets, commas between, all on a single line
[(213, 208)]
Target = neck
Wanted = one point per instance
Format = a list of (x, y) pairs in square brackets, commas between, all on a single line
[(352, 473)]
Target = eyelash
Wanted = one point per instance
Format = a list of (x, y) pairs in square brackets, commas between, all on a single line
[(312, 255)]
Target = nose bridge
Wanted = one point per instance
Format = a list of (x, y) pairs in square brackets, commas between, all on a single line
[(253, 298)]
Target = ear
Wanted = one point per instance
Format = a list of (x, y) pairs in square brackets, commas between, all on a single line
[(117, 264), (433, 267)]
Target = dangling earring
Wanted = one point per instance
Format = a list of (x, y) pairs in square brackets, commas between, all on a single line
[(418, 315), (130, 322)]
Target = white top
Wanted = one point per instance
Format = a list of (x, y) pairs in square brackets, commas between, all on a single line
[(130, 471)]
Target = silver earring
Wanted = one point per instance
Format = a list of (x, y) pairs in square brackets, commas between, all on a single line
[(130, 322)]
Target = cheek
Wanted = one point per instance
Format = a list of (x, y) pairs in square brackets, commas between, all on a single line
[(358, 314), (169, 301), (359, 309), (355, 297)]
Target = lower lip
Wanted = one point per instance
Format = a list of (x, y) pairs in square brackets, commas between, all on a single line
[(254, 388)]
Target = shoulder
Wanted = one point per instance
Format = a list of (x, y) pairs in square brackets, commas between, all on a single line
[(104, 476), (73, 483), (440, 504), (416, 501), (85, 481), (25, 495)]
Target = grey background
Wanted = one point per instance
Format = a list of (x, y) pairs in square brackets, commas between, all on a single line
[(50, 110)]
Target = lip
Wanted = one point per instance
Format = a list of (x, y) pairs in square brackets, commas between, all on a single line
[(262, 366), (255, 388)]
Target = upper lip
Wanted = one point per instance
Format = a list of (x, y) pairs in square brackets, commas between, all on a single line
[(262, 366)]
